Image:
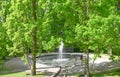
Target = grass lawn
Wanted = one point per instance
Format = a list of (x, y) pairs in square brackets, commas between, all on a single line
[(8, 73), (112, 73), (18, 74)]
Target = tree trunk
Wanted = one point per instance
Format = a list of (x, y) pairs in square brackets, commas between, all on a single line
[(34, 51), (34, 40), (110, 51), (87, 72), (86, 12), (3, 58), (33, 67)]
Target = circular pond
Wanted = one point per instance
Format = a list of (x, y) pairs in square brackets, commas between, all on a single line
[(68, 59)]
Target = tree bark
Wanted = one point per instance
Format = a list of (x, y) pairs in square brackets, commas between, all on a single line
[(87, 72), (110, 51), (86, 12), (33, 67), (34, 40), (34, 51)]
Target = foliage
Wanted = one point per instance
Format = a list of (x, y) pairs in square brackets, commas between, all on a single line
[(98, 28), (4, 40), (37, 25)]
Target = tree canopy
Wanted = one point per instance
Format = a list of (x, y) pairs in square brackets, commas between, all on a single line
[(37, 25)]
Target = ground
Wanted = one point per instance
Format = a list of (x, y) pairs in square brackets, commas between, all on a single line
[(100, 64)]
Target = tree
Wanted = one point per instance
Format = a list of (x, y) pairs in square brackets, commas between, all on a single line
[(29, 27), (38, 25), (22, 28), (112, 34), (110, 26), (95, 24), (4, 40)]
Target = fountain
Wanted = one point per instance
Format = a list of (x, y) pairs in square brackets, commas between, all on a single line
[(70, 61), (61, 58), (60, 54)]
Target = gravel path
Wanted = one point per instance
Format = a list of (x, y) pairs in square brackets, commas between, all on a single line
[(104, 64), (100, 64), (16, 64)]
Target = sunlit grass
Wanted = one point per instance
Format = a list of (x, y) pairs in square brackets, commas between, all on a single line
[(112, 73), (6, 72), (18, 74)]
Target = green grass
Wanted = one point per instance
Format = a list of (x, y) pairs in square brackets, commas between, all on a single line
[(112, 73), (19, 74), (5, 72)]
